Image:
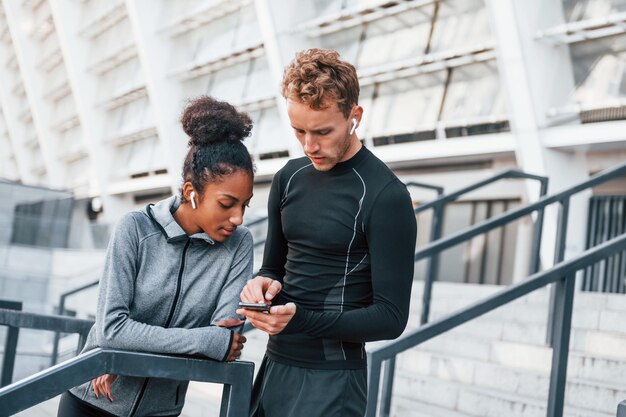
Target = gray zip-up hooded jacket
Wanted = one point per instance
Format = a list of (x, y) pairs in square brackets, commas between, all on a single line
[(161, 292)]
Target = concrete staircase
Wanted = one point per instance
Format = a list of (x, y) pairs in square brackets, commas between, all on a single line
[(499, 366)]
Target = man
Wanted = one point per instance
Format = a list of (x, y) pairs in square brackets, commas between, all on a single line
[(338, 261)]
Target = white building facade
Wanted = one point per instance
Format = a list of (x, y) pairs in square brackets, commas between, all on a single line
[(453, 90)]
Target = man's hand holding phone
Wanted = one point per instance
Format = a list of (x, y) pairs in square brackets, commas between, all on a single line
[(260, 291)]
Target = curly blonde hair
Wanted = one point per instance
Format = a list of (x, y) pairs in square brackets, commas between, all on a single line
[(319, 76)]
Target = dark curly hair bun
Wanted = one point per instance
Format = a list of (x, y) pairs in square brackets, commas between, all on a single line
[(216, 131), (208, 121)]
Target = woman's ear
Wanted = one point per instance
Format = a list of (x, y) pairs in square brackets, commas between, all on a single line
[(189, 193)]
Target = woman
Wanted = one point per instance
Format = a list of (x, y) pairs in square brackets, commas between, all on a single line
[(174, 271)]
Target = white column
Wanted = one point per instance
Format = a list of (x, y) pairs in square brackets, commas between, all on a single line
[(536, 77), (9, 110), (75, 49), (164, 92), (279, 53), (21, 26)]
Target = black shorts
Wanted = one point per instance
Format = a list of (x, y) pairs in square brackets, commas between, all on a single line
[(289, 391)]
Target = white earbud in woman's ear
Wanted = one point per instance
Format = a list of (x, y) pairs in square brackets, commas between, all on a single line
[(353, 126), (192, 197)]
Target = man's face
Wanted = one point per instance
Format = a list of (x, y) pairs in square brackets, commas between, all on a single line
[(324, 134)]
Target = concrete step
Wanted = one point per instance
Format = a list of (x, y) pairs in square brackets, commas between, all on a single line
[(402, 407), (595, 395), (474, 400)]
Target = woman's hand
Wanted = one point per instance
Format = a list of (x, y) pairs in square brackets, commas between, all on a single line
[(102, 385), (236, 347)]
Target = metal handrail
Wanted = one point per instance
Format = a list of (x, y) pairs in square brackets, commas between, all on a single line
[(436, 231), (437, 188), (433, 249), (58, 324), (438, 205), (564, 274), (236, 377), (502, 219)]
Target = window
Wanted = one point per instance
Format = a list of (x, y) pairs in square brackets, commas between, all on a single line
[(474, 91), (487, 258), (268, 137), (396, 37), (576, 10), (599, 70), (407, 105), (460, 24)]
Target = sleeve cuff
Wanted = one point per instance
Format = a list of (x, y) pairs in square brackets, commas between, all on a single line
[(296, 323), (230, 343)]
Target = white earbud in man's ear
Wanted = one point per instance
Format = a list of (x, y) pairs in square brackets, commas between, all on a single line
[(353, 126), (192, 197)]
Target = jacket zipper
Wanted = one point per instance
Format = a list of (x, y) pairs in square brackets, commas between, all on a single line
[(167, 323)]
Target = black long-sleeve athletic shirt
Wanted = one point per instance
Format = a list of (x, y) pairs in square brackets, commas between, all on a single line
[(342, 243)]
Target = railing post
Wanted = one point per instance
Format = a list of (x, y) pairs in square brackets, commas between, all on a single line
[(61, 312), (535, 260), (387, 388), (10, 345), (57, 335), (559, 255), (373, 383), (236, 399), (432, 268), (564, 300), (621, 409)]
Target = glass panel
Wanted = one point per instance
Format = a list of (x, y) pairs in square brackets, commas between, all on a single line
[(77, 172), (576, 10), (120, 79), (365, 101), (159, 160), (460, 24), (407, 105), (71, 141), (474, 91), (457, 216), (122, 157), (228, 84), (477, 246), (217, 38), (140, 157), (63, 109), (114, 38), (259, 83), (270, 135), (196, 86), (130, 118), (248, 31), (396, 37), (326, 7), (346, 42), (599, 69)]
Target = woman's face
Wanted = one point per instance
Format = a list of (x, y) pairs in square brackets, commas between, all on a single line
[(221, 207)]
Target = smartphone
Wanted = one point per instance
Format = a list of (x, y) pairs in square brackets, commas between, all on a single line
[(255, 306)]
